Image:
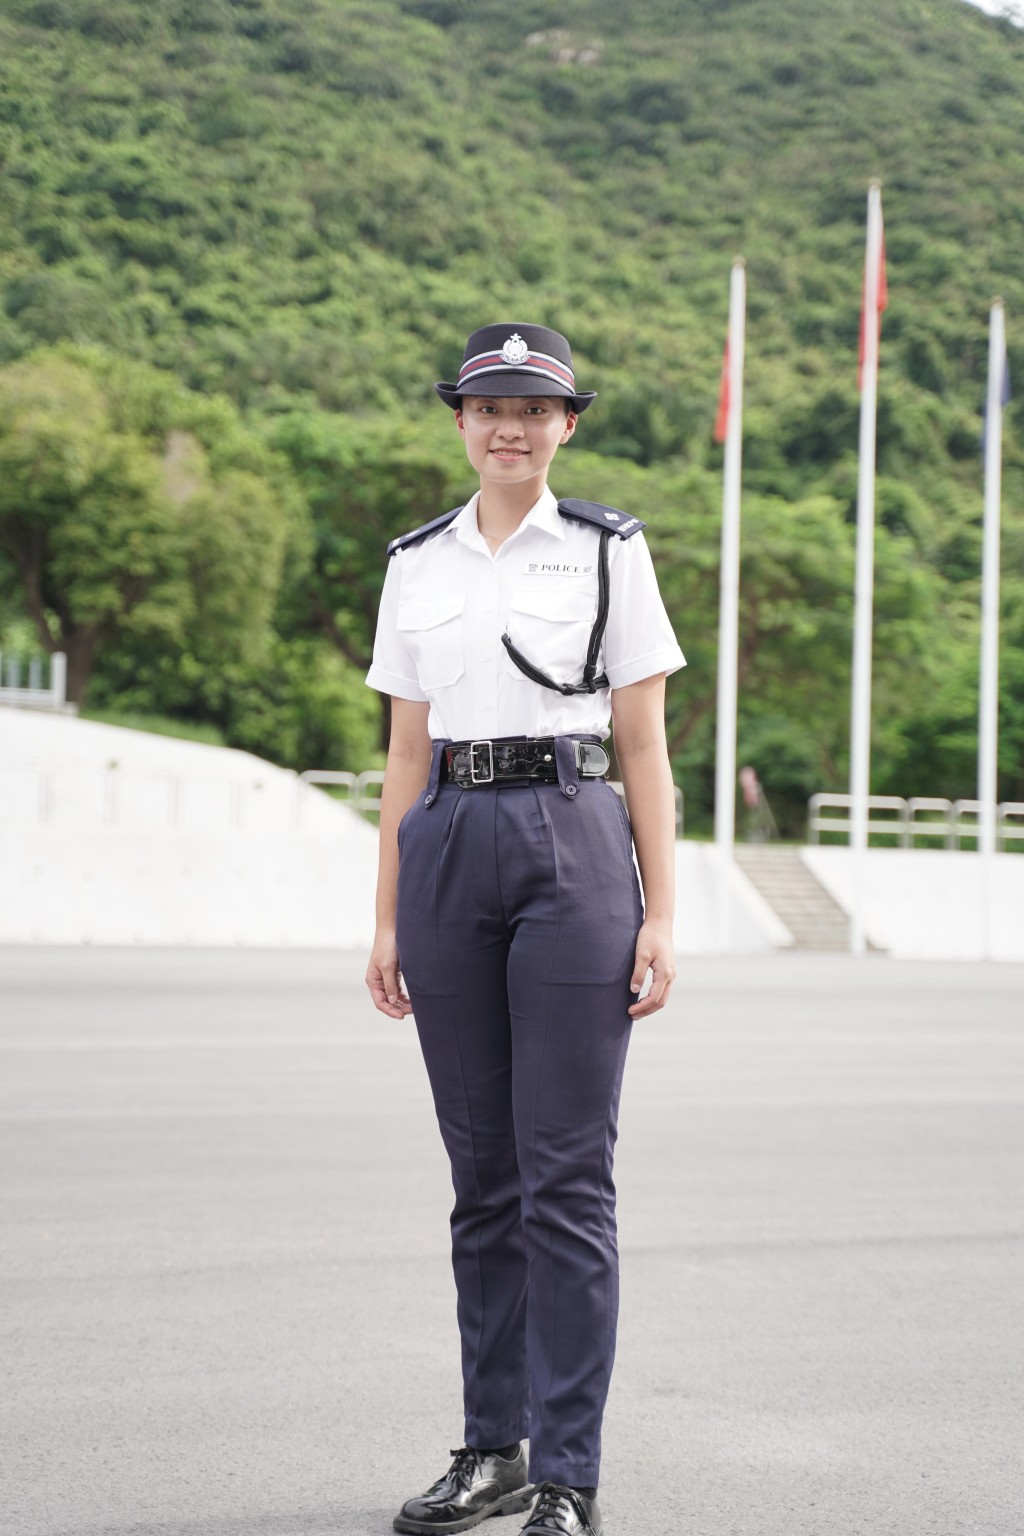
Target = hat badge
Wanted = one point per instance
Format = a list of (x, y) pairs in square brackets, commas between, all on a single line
[(515, 350)]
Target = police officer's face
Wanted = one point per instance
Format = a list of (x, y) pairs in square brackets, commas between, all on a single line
[(513, 440)]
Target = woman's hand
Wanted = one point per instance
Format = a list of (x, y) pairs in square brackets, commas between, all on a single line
[(383, 978), (653, 952)]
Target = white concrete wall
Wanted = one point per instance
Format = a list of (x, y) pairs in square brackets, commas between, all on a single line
[(930, 903), (718, 910), (179, 843), (270, 889), (59, 771)]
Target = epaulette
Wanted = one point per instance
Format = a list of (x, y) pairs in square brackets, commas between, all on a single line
[(405, 539), (601, 517)]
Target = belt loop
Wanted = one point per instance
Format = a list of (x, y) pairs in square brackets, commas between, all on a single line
[(565, 762), (434, 777)]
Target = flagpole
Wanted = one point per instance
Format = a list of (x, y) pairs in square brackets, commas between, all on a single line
[(729, 581), (860, 709), (988, 704)]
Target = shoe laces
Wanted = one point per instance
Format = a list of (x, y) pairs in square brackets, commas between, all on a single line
[(464, 1467), (550, 1508)]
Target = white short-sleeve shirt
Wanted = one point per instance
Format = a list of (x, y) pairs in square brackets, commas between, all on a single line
[(448, 600)]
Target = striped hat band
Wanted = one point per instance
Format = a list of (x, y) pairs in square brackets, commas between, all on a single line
[(540, 363)]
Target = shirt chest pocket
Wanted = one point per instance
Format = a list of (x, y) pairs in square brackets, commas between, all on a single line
[(431, 628), (551, 626)]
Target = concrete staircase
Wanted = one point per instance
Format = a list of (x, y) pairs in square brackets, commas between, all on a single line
[(814, 919)]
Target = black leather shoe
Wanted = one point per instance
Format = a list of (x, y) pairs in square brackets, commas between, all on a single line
[(563, 1512), (474, 1487)]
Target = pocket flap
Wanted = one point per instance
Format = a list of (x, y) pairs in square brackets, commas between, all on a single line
[(570, 606), (429, 612)]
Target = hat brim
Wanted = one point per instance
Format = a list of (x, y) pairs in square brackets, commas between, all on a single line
[(513, 385)]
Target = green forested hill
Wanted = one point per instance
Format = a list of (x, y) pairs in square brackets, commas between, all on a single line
[(280, 198), (305, 205)]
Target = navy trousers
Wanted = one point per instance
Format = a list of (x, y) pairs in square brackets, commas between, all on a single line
[(518, 910)]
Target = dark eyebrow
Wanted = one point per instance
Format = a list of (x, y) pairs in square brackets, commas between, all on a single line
[(520, 399)]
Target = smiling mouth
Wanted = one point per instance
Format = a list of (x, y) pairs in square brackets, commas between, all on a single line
[(509, 453)]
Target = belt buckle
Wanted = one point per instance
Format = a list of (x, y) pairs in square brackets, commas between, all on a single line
[(475, 775), (590, 754)]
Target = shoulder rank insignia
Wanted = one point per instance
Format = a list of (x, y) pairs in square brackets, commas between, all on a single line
[(404, 540), (601, 517)]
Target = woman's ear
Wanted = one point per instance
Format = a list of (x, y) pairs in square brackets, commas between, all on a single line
[(458, 421), (570, 426)]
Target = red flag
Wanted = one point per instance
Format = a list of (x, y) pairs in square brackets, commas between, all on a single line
[(883, 300), (722, 419)]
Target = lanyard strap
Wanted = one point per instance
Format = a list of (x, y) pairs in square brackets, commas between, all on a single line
[(591, 682)]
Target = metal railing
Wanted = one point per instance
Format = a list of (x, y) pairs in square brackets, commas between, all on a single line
[(32, 694), (919, 818), (356, 785)]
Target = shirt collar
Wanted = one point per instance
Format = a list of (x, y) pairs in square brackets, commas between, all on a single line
[(543, 515)]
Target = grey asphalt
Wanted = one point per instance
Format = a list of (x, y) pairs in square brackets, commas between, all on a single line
[(225, 1301)]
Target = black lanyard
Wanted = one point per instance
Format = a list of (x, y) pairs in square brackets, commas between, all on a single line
[(591, 683)]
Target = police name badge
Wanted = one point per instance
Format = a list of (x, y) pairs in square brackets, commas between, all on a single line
[(555, 568)]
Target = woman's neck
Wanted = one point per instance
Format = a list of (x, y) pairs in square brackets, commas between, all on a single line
[(500, 511)]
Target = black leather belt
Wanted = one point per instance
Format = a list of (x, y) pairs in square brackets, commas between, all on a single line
[(469, 763)]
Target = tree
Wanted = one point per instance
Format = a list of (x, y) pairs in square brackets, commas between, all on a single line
[(123, 525), (365, 482)]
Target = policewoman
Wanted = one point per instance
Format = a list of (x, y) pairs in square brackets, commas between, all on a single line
[(512, 633)]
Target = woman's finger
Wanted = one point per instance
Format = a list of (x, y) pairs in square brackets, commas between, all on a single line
[(657, 997), (640, 968), (387, 993)]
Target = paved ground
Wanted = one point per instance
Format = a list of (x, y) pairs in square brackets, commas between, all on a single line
[(225, 1303)]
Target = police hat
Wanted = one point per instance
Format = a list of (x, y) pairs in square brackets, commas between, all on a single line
[(516, 360)]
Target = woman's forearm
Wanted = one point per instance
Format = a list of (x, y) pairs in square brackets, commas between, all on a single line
[(650, 799), (638, 712), (639, 715), (405, 776)]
